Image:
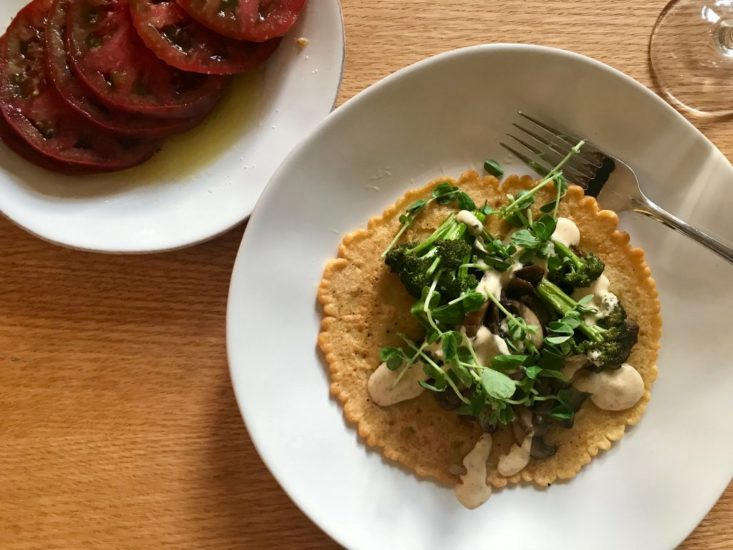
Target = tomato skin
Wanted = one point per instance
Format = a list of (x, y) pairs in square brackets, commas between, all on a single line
[(78, 99), (180, 41), (254, 20), (118, 69), (36, 123)]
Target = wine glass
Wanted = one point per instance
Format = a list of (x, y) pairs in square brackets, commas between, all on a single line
[(691, 55)]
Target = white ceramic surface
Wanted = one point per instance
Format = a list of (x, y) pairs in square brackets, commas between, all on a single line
[(201, 183), (441, 116)]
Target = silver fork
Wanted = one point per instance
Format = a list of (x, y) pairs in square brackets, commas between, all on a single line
[(610, 180)]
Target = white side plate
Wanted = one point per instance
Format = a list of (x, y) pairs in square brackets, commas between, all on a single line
[(203, 182), (441, 116)]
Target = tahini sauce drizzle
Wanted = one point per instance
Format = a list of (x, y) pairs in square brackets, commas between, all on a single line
[(383, 390), (612, 390), (473, 491), (494, 281), (475, 227), (566, 232), (603, 299), (517, 458)]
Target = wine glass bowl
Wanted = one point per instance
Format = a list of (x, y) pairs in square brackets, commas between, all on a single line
[(691, 56)]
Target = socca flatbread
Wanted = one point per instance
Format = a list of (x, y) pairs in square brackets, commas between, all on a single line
[(365, 307)]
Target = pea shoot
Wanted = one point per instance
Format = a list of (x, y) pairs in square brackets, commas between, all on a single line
[(442, 272), (494, 168), (525, 199)]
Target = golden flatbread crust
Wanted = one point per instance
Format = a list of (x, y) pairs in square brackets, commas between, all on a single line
[(365, 306)]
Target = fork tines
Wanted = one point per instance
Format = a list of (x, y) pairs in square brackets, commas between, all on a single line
[(541, 147)]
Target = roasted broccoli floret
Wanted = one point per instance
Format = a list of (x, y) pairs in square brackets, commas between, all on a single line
[(570, 270), (606, 346), (615, 317), (417, 271), (442, 252), (452, 253), (451, 286), (411, 268)]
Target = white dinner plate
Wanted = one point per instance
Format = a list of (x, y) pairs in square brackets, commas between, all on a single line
[(439, 117), (202, 183)]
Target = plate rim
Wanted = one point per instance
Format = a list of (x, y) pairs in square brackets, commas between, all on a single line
[(219, 231), (313, 135)]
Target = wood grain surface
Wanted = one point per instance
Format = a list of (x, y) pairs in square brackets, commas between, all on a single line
[(118, 426)]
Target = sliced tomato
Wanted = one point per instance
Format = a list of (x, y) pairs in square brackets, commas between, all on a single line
[(182, 42), (119, 70), (21, 148), (77, 97), (255, 20), (30, 107)]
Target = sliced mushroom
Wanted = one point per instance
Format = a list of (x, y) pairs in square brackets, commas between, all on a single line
[(540, 423), (518, 431), (572, 365), (541, 449), (448, 400), (532, 273), (528, 315), (474, 319), (517, 288), (532, 319), (538, 307), (491, 319), (522, 425), (525, 415)]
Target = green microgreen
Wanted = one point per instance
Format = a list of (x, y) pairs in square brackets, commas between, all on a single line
[(494, 168)]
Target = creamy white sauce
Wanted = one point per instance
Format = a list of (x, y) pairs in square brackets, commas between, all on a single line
[(612, 390), (566, 232), (494, 281), (490, 283), (383, 390), (525, 415), (599, 287), (487, 345), (606, 304), (604, 301), (473, 490), (475, 227), (531, 319), (517, 458)]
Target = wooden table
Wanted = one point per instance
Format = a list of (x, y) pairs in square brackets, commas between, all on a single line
[(118, 426)]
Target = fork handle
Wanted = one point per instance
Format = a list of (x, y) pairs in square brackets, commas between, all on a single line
[(646, 206)]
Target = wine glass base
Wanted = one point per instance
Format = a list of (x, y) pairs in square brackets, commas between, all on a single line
[(691, 56)]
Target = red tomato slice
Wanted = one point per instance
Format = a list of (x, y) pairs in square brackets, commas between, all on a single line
[(183, 43), (112, 62), (57, 137), (255, 20), (77, 97)]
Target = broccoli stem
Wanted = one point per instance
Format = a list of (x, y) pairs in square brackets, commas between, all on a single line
[(434, 266), (440, 233), (567, 252), (564, 304), (449, 230)]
